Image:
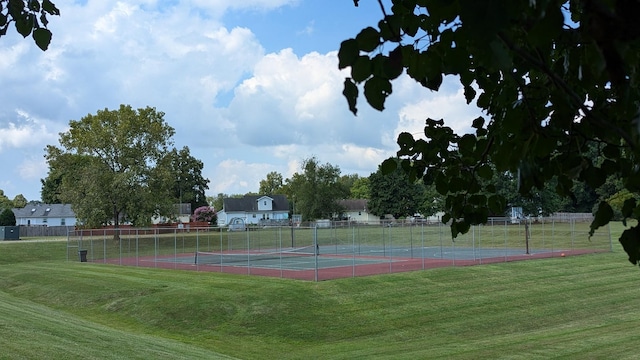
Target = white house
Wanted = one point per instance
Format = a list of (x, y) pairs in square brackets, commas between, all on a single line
[(356, 210), (45, 215), (255, 209), (182, 214)]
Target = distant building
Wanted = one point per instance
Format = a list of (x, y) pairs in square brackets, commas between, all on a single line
[(356, 210), (45, 215), (255, 210), (181, 214)]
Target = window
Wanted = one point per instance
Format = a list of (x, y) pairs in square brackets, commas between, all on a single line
[(254, 215), (265, 202), (44, 221), (63, 222)]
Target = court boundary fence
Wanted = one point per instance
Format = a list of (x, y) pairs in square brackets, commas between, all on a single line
[(387, 247)]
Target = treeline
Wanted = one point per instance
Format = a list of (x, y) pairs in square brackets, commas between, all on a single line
[(316, 190)]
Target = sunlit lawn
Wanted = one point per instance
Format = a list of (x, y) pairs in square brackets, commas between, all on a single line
[(574, 307)]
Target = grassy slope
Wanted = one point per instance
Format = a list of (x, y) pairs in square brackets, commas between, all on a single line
[(576, 307)]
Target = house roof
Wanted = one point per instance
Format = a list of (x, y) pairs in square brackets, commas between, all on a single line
[(250, 203), (354, 204), (44, 210)]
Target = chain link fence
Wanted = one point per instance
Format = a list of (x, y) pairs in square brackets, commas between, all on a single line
[(330, 250)]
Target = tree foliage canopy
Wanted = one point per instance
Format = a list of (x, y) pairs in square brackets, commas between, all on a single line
[(186, 173), (394, 194), (107, 166), (29, 18), (316, 190), (7, 218), (554, 78), (271, 184)]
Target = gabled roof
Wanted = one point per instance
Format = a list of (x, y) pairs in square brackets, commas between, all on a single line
[(250, 203), (44, 211), (354, 204)]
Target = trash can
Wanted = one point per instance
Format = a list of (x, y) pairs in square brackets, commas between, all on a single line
[(83, 255)]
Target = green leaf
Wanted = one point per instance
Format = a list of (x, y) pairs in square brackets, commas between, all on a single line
[(485, 171), (348, 53), (42, 38), (501, 56), (24, 25), (630, 240), (350, 92), (496, 204), (361, 69), (389, 165), (406, 143), (376, 90), (603, 215), (469, 93), (594, 177), (393, 64), (628, 207), (50, 7), (478, 122), (442, 185), (368, 39), (467, 143), (34, 5)]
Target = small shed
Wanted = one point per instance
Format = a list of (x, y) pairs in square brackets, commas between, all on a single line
[(9, 232)]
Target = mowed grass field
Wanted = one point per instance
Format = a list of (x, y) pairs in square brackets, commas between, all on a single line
[(573, 307)]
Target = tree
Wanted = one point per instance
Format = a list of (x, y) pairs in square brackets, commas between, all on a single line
[(5, 202), (19, 201), (394, 194), (186, 172), (272, 184), (29, 17), (218, 201), (432, 201), (67, 167), (316, 191), (360, 189), (7, 218), (553, 78), (108, 166)]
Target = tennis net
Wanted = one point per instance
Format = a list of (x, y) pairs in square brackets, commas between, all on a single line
[(239, 257)]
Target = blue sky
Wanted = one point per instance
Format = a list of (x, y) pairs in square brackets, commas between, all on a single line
[(250, 86)]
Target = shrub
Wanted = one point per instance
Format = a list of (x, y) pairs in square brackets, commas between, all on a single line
[(7, 218), (205, 213)]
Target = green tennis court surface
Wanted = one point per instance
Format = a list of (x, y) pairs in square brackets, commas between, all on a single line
[(338, 256)]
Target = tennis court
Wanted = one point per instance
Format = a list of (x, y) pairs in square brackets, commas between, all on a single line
[(336, 252)]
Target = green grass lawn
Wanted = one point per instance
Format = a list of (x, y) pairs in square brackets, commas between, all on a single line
[(574, 307)]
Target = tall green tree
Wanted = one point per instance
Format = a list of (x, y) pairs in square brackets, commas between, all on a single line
[(7, 218), (316, 190), (360, 189), (394, 194), (5, 202), (186, 173), (553, 77), (432, 202), (29, 18), (119, 178), (272, 184), (19, 201), (217, 202), (66, 167)]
